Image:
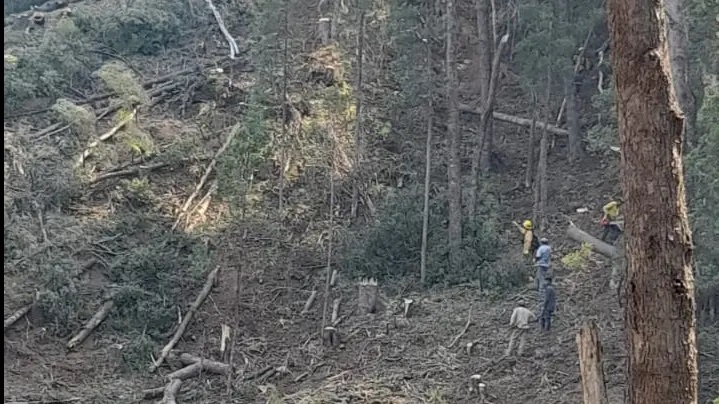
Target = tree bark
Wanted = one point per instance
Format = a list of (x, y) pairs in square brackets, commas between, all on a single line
[(660, 318), (428, 160), (575, 139), (285, 117), (531, 145), (678, 53), (358, 120), (540, 184), (453, 169), (590, 365)]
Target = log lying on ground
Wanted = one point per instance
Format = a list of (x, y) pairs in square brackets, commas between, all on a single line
[(17, 316), (195, 365), (515, 120), (170, 393), (576, 234), (98, 318), (590, 365), (309, 302), (188, 317)]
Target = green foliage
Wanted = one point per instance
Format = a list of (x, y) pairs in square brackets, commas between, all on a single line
[(548, 39), (246, 152), (703, 173), (60, 306), (577, 260), (391, 248), (61, 57), (122, 81), (603, 134), (81, 119), (146, 27)]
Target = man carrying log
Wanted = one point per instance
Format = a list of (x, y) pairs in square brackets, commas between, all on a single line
[(519, 323), (549, 304), (541, 259), (611, 222)]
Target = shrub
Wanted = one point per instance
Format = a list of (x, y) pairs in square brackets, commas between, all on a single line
[(122, 81), (391, 249), (146, 27), (577, 260), (81, 119)]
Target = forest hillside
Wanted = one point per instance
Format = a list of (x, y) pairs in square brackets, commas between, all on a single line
[(295, 201)]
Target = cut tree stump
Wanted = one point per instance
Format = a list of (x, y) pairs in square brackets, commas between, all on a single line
[(590, 365), (368, 293), (576, 234)]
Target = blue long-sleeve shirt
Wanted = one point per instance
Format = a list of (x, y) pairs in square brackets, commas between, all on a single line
[(542, 255)]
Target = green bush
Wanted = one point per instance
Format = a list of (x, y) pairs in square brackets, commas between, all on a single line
[(61, 57), (146, 27), (391, 248)]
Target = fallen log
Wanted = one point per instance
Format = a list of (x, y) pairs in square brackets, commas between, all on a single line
[(129, 171), (515, 120), (576, 234), (170, 393), (590, 365), (200, 366), (188, 317), (17, 316), (98, 318), (309, 302)]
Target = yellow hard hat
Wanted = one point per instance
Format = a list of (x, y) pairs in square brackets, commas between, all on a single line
[(527, 224)]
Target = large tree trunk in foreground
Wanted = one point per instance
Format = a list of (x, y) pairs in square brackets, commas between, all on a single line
[(576, 234), (453, 169), (590, 365), (660, 317)]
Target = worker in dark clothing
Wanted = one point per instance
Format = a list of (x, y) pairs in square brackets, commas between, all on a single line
[(549, 303)]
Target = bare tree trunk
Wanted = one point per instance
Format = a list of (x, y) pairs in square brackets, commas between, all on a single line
[(428, 160), (660, 318), (531, 145), (453, 169), (590, 365), (678, 48), (485, 53), (358, 123), (540, 185), (575, 139), (328, 275), (285, 116)]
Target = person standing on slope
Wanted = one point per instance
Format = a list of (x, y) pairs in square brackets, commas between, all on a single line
[(530, 242), (519, 323), (549, 304), (541, 258)]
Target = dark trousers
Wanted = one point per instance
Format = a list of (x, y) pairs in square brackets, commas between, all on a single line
[(611, 233), (545, 320), (541, 274)]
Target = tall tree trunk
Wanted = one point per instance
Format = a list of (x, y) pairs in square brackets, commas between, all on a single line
[(484, 76), (285, 117), (358, 123), (678, 51), (575, 140), (427, 156), (540, 184), (660, 318), (485, 35), (453, 169), (531, 145)]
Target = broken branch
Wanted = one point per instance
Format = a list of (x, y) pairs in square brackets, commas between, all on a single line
[(514, 120), (188, 317), (98, 318), (88, 150), (234, 49), (464, 330), (309, 302), (208, 170)]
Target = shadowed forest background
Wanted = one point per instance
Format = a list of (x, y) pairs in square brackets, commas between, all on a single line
[(142, 152)]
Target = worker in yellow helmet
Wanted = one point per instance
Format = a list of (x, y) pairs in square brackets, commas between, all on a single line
[(611, 222), (530, 242)]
